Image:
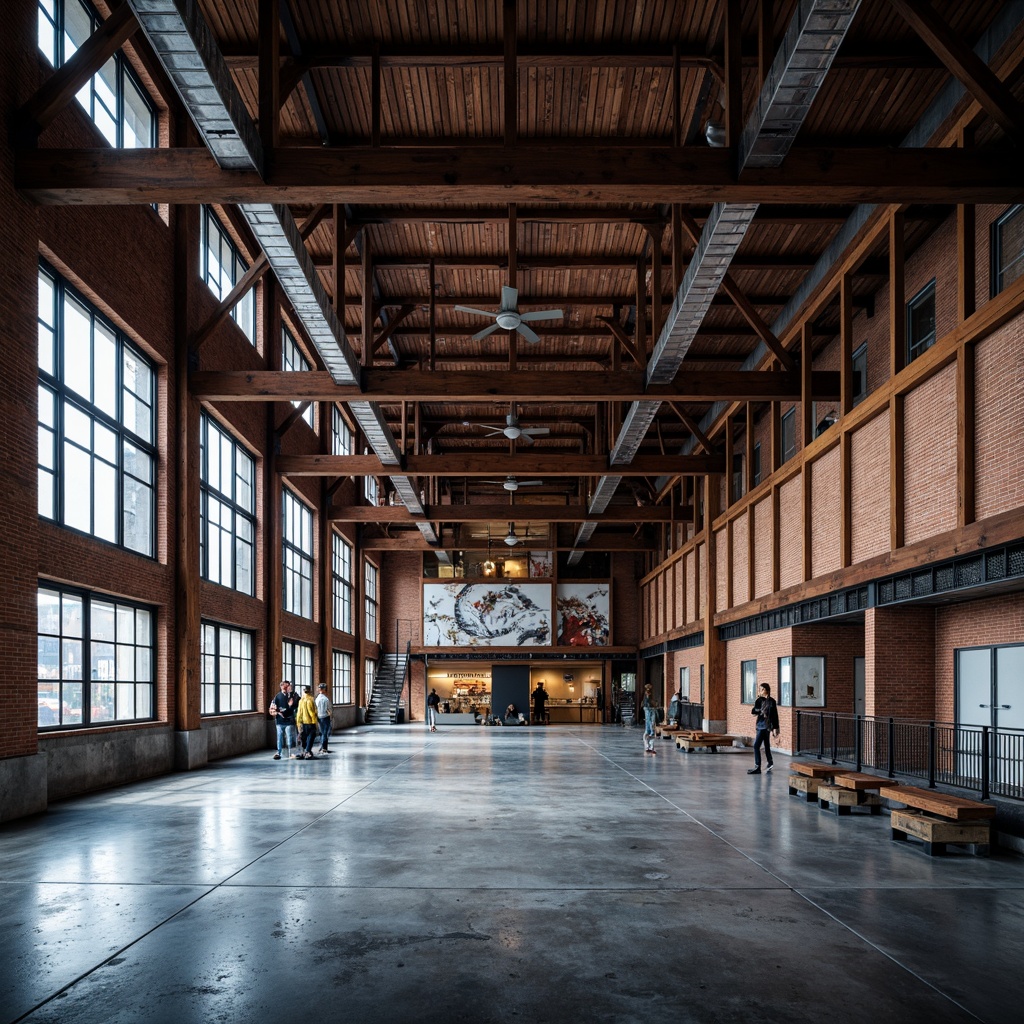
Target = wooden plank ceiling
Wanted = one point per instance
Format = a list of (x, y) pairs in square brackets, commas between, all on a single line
[(397, 75)]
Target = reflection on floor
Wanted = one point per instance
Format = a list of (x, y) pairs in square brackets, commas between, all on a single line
[(494, 875)]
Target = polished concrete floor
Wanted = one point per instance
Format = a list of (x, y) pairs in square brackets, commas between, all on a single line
[(495, 875)]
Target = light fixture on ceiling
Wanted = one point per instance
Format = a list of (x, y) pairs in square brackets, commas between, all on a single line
[(715, 134), (488, 567), (511, 539)]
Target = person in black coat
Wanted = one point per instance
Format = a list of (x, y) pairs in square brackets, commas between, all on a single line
[(767, 724)]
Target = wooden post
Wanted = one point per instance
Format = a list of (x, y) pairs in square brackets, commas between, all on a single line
[(806, 397), (749, 469), (966, 245), (733, 73), (715, 705), (845, 344), (188, 627), (765, 40), (678, 234), (273, 504), (269, 74), (965, 468), (431, 285), (897, 295), (511, 76), (338, 262), (367, 300), (845, 502)]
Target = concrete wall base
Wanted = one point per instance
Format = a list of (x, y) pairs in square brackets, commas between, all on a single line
[(23, 784), (191, 750), (716, 725), (85, 762), (234, 735)]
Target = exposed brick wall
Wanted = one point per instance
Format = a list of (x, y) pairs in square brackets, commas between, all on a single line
[(763, 547), (929, 445), (702, 562), (721, 571), (791, 532), (999, 421), (825, 514), (740, 560), (869, 489), (692, 598), (899, 668), (986, 623), (692, 658), (765, 649)]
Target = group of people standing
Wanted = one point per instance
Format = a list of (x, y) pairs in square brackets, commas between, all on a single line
[(311, 718)]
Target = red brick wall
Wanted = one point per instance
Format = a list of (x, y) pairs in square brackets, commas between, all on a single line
[(869, 489), (929, 445), (765, 649), (791, 533), (763, 547), (740, 555), (899, 670), (995, 620), (825, 514), (999, 421), (721, 571)]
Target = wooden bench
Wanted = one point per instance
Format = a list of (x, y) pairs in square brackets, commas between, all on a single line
[(808, 776), (938, 819), (853, 789), (690, 741)]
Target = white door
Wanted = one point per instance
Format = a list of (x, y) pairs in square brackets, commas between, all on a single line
[(973, 705), (858, 686)]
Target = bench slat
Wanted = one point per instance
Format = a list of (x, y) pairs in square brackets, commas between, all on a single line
[(862, 781), (943, 804), (815, 769)]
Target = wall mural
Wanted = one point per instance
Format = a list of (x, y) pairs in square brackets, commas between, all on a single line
[(583, 614), (498, 614)]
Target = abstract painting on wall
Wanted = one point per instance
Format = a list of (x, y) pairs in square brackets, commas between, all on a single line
[(584, 611), (499, 614)]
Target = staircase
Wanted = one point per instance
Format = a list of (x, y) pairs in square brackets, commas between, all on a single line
[(387, 689)]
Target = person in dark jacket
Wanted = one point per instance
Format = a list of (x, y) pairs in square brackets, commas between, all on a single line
[(767, 724)]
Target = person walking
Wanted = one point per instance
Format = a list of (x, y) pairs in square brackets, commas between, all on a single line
[(767, 712), (433, 702), (650, 719), (324, 716), (307, 720), (282, 710)]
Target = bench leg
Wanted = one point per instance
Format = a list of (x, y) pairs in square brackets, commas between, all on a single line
[(934, 849), (811, 797), (840, 809), (876, 808), (898, 836), (823, 804), (980, 849)]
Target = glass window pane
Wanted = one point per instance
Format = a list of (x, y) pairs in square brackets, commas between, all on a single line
[(71, 615), (137, 127), (102, 621), (105, 512), (77, 488), (77, 348), (102, 667)]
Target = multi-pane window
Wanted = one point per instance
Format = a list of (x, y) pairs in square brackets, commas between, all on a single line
[(95, 659), (226, 665), (860, 373), (789, 435), (1007, 248), (293, 360), (341, 683), (227, 509), (297, 543), (371, 488), (97, 412), (756, 468), (341, 572), (371, 601), (748, 677), (297, 665), (342, 441), (921, 321), (222, 267), (113, 98), (737, 480)]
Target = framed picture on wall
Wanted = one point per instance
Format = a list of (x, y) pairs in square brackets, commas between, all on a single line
[(785, 682), (809, 682)]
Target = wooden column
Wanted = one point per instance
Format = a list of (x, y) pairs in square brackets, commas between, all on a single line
[(187, 639), (511, 77), (750, 447), (845, 499), (273, 597), (640, 334), (845, 344), (367, 300), (657, 312), (729, 452), (716, 703), (896, 463), (775, 459), (338, 262), (965, 468), (807, 514), (269, 73), (733, 73), (678, 234), (966, 245), (897, 295), (806, 397), (432, 286), (765, 40), (326, 562)]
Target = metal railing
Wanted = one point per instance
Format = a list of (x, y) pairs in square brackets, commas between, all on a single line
[(690, 715), (973, 757)]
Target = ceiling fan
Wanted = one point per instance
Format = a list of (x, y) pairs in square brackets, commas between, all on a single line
[(510, 483), (512, 430), (509, 318)]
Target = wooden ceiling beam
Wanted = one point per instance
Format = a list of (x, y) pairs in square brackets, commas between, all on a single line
[(393, 386), (597, 261), (550, 172), (500, 513), (488, 464)]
